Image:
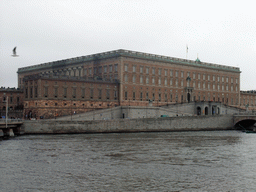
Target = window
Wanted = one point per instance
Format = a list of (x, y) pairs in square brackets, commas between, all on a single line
[(165, 81), (133, 95), (134, 78), (199, 85), (199, 75), (159, 81), (126, 78), (194, 76), (110, 68), (213, 77), (65, 92), (90, 71), (105, 69), (153, 71), (165, 72), (176, 82), (74, 93), (95, 70), (125, 95), (159, 97), (91, 93), (116, 67), (182, 74), (31, 92), (147, 96), (181, 83), (45, 91), (100, 69), (141, 96), (85, 72), (170, 82), (147, 80), (171, 73), (134, 68), (100, 93), (107, 94), (141, 79), (159, 71), (141, 69), (177, 74), (153, 80), (55, 92), (115, 95), (226, 79), (83, 92), (147, 70)]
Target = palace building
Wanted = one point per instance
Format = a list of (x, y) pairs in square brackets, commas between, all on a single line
[(122, 78)]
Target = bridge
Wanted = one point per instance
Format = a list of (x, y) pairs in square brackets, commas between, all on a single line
[(10, 128), (244, 121)]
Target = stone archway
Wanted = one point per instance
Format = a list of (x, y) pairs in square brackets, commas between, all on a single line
[(188, 97), (198, 110), (206, 110)]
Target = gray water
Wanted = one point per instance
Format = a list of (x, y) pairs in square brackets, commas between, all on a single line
[(176, 161)]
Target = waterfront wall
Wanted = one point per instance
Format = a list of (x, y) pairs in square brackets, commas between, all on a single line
[(186, 123), (173, 110)]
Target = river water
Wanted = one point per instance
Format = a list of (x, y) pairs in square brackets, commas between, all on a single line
[(170, 161)]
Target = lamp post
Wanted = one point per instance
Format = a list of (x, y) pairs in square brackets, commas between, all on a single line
[(6, 112)]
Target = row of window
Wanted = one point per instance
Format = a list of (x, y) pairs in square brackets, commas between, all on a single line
[(176, 98), (100, 69), (29, 93), (175, 82), (176, 73), (10, 99)]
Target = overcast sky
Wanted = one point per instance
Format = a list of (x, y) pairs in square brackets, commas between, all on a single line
[(221, 32)]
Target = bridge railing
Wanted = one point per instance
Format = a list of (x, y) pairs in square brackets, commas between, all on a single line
[(246, 113), (10, 120)]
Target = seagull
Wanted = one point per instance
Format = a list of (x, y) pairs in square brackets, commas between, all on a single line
[(14, 52)]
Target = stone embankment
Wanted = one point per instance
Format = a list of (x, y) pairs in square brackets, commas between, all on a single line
[(185, 123)]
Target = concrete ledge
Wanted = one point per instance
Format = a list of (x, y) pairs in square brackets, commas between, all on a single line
[(187, 123)]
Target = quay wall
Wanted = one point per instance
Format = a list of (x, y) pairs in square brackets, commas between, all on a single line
[(185, 123)]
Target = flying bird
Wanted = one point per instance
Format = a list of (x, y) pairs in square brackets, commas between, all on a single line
[(14, 52)]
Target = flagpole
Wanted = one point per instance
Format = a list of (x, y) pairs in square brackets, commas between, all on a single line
[(187, 52)]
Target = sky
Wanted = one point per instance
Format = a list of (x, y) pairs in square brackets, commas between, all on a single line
[(221, 32)]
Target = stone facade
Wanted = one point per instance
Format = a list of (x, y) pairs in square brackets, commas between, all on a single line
[(248, 100), (143, 79), (189, 123), (50, 97), (15, 102)]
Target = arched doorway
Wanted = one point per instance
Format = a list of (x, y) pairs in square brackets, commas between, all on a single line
[(188, 97), (206, 110), (198, 110)]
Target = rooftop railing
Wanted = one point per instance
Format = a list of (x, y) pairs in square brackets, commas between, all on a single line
[(127, 53)]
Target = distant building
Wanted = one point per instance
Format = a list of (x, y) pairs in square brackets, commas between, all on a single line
[(248, 99), (15, 102), (129, 78)]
